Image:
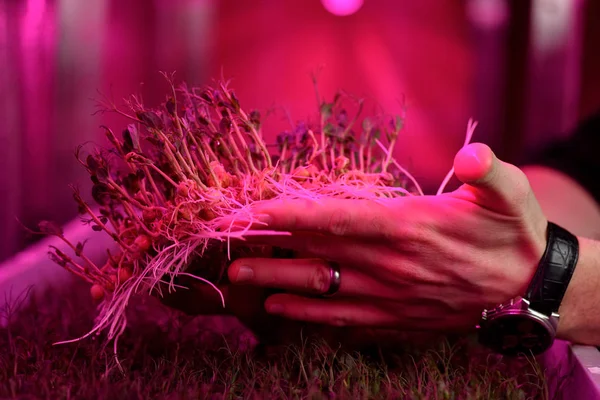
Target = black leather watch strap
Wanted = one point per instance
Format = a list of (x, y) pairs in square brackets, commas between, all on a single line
[(550, 282)]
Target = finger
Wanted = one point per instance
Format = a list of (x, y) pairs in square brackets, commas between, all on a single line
[(347, 251), (346, 312), (497, 185), (304, 275), (340, 217), (336, 312)]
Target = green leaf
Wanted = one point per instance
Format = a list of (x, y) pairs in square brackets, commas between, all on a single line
[(398, 123), (376, 134), (234, 101), (329, 130), (326, 110)]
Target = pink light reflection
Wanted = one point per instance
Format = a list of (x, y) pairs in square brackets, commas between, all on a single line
[(342, 7), (33, 19), (3, 26)]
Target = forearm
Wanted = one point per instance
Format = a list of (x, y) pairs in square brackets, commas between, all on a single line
[(579, 321), (566, 203)]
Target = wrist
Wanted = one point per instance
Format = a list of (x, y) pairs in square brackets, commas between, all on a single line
[(578, 311), (537, 252), (530, 323)]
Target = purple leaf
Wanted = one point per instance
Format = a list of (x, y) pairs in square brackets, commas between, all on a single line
[(206, 96), (255, 118), (150, 119), (56, 259), (127, 141), (92, 163), (50, 228), (225, 125), (234, 101), (170, 106), (79, 248), (101, 194)]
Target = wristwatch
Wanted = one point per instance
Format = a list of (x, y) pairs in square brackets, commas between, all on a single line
[(527, 325)]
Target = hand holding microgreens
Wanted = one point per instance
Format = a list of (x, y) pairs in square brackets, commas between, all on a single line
[(179, 182)]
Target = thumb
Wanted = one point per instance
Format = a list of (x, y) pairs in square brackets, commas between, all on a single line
[(496, 184)]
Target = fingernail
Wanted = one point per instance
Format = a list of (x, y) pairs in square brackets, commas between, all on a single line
[(473, 155), (275, 309), (244, 274)]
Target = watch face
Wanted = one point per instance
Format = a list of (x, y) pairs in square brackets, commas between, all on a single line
[(517, 334)]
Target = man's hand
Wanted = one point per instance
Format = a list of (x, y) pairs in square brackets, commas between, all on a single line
[(418, 262), (246, 303)]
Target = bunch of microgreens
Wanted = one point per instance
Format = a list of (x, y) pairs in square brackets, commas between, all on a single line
[(181, 179)]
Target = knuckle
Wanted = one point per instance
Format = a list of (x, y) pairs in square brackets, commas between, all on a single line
[(522, 194), (520, 191), (318, 280), (341, 321), (340, 222), (384, 226), (378, 223)]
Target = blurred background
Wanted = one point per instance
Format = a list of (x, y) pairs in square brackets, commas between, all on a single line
[(526, 70)]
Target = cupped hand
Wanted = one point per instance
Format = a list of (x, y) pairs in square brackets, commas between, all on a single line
[(413, 263), (244, 302)]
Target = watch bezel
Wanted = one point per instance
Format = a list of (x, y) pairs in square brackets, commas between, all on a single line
[(497, 329)]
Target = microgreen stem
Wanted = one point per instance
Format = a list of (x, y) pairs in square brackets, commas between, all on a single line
[(189, 163), (361, 157), (390, 152), (199, 163), (92, 215), (191, 174), (133, 215), (165, 176), (77, 270), (242, 141), (233, 144), (204, 159), (155, 189), (283, 155), (123, 193), (257, 139), (332, 155), (315, 146), (169, 149), (232, 160), (80, 253)]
